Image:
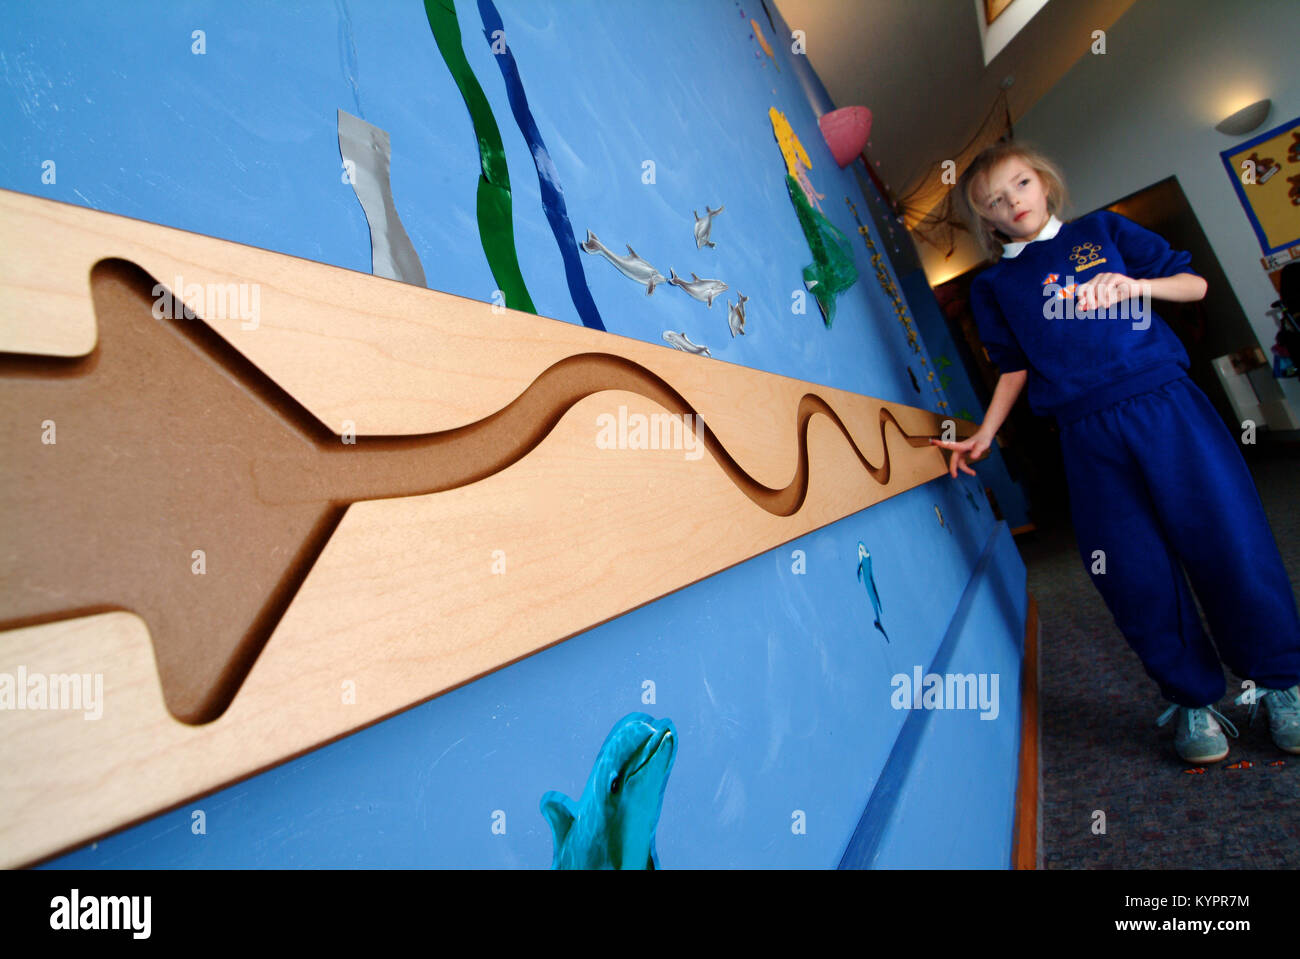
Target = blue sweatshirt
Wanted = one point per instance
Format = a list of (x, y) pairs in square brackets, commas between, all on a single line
[(1024, 310)]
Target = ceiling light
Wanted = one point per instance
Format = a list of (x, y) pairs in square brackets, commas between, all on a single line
[(1246, 119)]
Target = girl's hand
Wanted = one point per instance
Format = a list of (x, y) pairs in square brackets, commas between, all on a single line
[(964, 451), (1104, 290)]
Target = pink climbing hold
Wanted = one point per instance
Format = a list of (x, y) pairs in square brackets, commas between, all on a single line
[(846, 131)]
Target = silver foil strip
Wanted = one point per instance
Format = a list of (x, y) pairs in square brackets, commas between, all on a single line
[(366, 157)]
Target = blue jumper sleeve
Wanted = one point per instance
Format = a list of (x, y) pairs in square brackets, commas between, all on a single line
[(1147, 255), (995, 334)]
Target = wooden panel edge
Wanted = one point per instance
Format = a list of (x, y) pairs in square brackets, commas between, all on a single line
[(1024, 850)]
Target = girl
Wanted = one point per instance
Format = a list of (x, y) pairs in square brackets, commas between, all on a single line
[(1155, 477)]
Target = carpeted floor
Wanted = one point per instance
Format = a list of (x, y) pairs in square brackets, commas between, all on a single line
[(1101, 749)]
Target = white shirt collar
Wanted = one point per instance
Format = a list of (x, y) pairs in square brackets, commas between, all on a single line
[(1049, 230)]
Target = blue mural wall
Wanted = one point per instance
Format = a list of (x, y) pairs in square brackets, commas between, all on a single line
[(962, 399), (778, 683)]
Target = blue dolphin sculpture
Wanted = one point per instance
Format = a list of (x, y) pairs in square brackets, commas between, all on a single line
[(864, 574), (612, 826)]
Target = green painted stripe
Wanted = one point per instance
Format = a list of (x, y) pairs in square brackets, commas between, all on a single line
[(495, 226)]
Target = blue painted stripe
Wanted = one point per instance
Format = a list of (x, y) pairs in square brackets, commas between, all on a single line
[(864, 845), (547, 176)]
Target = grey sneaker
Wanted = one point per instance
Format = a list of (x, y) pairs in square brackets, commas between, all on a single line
[(1283, 714), (1198, 738)]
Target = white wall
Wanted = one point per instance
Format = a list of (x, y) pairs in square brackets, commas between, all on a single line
[(1146, 109)]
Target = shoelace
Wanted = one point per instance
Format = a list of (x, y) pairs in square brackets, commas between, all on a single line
[(1283, 701), (1193, 715)]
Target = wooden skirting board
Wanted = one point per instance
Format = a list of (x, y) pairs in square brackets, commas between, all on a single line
[(189, 520), (1025, 847)]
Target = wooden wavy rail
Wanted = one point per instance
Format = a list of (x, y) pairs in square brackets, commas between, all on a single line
[(187, 476), (372, 565)]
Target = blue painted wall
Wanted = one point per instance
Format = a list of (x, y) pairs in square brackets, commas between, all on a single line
[(962, 401), (778, 682)]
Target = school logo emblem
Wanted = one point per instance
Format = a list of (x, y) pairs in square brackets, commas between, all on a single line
[(1085, 256)]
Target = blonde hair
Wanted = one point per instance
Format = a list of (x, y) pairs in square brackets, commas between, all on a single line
[(990, 238)]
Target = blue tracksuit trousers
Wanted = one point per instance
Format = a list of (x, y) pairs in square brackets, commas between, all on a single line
[(1157, 480)]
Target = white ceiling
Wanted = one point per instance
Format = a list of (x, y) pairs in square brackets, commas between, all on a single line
[(919, 66)]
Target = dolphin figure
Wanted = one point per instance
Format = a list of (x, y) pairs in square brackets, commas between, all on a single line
[(682, 342), (702, 290), (612, 826), (939, 514), (631, 266), (736, 315), (704, 226), (864, 574)]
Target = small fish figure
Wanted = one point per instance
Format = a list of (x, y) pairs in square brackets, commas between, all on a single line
[(682, 342), (1198, 771), (1051, 278), (631, 266), (612, 825), (868, 580), (1278, 762), (762, 42), (702, 290), (736, 315), (704, 226), (1244, 764)]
